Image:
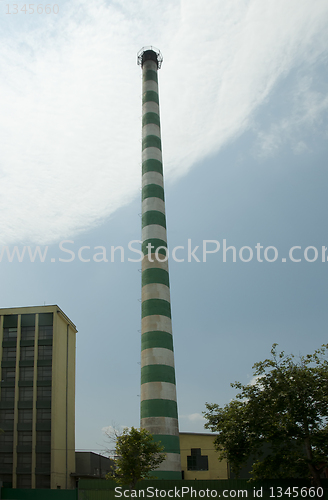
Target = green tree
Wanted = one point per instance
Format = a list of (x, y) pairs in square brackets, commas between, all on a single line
[(137, 456), (286, 410)]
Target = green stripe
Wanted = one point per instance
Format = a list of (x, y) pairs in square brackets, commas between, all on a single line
[(155, 275), (151, 307), (150, 118), (149, 74), (153, 217), (150, 96), (158, 408), (151, 141), (152, 166), (157, 373), (166, 474), (156, 339), (171, 443), (152, 191), (155, 244)]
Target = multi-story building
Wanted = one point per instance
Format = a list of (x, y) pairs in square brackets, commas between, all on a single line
[(37, 397)]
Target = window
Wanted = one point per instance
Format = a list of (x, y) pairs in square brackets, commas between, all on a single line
[(9, 353), (45, 352), (25, 416), (24, 481), (24, 438), (197, 461), (43, 414), (8, 374), (6, 459), (43, 461), (27, 332), (6, 438), (44, 393), (26, 352), (44, 372), (26, 394), (24, 460), (7, 415), (26, 373), (9, 333), (43, 438), (45, 332), (8, 394), (42, 481)]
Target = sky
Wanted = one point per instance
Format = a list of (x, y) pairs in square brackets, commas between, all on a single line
[(243, 100)]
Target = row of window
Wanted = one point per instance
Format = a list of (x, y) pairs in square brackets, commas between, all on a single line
[(26, 373), (25, 415), (28, 333), (27, 353), (25, 393), (24, 460), (25, 438)]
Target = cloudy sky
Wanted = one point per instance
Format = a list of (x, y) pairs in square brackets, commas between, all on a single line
[(243, 96)]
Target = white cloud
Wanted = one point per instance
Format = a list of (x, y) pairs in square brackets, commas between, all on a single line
[(70, 107)]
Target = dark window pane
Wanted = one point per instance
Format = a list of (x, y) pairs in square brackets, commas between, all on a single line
[(6, 415), (44, 372), (6, 438), (24, 437), (27, 332), (24, 481), (8, 353), (24, 460), (44, 393), (26, 393), (8, 374), (26, 352), (45, 332), (26, 373), (8, 394), (43, 437), (25, 416), (43, 414), (9, 333), (42, 481), (45, 352)]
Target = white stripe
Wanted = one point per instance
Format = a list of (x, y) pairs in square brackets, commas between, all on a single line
[(155, 291), (150, 107), (147, 264), (157, 356), (153, 231), (152, 154), (156, 323), (158, 390), (153, 204), (151, 129), (150, 85), (152, 178), (171, 463), (161, 425)]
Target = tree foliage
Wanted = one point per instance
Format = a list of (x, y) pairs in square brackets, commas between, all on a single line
[(285, 410), (137, 455)]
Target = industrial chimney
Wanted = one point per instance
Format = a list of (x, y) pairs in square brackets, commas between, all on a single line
[(159, 413)]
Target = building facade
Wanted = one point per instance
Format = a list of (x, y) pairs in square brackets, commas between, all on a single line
[(37, 397), (199, 459), (159, 412)]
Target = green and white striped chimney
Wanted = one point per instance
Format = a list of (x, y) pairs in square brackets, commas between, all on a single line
[(159, 413)]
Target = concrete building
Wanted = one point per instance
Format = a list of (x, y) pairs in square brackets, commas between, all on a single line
[(199, 460), (37, 397), (159, 413), (91, 465)]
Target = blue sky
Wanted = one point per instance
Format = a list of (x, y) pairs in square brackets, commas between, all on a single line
[(243, 95)]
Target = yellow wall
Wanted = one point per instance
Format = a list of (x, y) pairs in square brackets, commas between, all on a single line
[(216, 469)]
